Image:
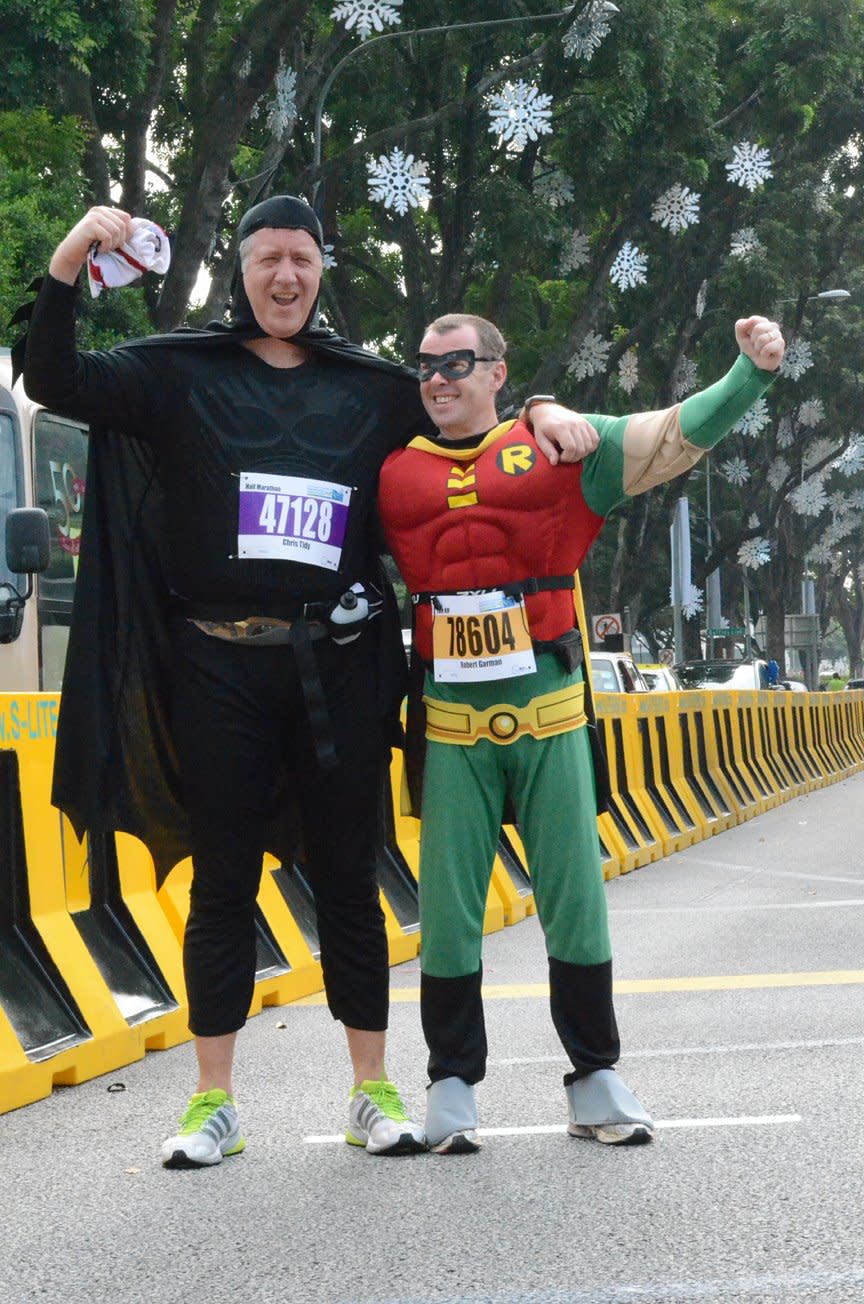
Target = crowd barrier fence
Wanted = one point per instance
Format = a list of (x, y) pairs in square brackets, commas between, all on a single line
[(91, 970)]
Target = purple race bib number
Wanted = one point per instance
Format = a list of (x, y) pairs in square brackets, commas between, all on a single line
[(290, 518)]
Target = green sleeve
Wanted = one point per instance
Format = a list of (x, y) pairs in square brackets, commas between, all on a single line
[(635, 452)]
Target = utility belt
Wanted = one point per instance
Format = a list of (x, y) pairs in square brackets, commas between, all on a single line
[(342, 620), (543, 717), (514, 589)]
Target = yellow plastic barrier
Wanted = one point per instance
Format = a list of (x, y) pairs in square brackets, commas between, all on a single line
[(683, 766)]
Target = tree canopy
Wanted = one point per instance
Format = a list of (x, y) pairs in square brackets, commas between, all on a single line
[(612, 188)]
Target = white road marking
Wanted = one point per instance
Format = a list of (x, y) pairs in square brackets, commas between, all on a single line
[(743, 1120), (767, 869), (677, 1052)]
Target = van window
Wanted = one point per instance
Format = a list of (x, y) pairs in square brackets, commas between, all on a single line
[(59, 466), (11, 490)]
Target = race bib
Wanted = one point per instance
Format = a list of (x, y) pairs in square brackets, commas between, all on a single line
[(478, 636), (290, 518)]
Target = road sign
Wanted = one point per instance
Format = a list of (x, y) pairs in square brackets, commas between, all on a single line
[(728, 631), (667, 657), (606, 625)]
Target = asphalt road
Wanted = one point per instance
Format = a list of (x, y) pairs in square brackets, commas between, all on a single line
[(739, 971)]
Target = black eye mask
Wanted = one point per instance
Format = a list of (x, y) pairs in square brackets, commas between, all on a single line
[(455, 365)]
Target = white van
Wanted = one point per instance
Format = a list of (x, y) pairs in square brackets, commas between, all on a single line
[(43, 460)]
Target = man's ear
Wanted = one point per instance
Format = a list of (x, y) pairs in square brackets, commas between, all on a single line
[(499, 373)]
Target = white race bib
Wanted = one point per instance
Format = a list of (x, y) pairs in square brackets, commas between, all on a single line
[(480, 636), (290, 518)]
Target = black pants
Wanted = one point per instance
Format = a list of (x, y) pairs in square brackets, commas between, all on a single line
[(240, 725)]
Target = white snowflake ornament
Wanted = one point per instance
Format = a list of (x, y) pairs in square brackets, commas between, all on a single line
[(817, 452), (778, 473), (576, 253), (283, 108), (754, 553), (746, 243), (367, 15), (629, 267), (685, 379), (519, 113), (590, 358), (852, 457), (785, 432), (753, 523), (821, 552), (628, 371), (328, 259), (693, 603), (809, 498), (797, 359), (701, 300), (588, 32), (554, 188), (398, 180), (735, 470), (756, 418), (811, 412), (677, 208), (750, 166)]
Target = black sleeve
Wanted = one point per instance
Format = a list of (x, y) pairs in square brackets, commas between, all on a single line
[(408, 413), (119, 389)]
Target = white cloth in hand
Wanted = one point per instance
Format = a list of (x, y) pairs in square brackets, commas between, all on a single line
[(148, 249)]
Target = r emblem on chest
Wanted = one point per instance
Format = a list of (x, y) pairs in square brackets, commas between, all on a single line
[(516, 459)]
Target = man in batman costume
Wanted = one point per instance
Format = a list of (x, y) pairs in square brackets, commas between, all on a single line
[(215, 668)]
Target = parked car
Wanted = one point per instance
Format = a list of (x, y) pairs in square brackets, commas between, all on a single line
[(855, 683), (724, 674), (796, 686), (616, 672), (660, 679)]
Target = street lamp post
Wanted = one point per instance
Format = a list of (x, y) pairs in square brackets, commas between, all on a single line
[(608, 7)]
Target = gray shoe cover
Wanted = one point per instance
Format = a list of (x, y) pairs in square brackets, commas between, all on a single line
[(450, 1107), (602, 1097)]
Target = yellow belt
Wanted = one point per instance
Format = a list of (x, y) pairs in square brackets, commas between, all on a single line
[(551, 713)]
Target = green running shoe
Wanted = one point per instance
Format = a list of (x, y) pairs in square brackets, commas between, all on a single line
[(377, 1119), (208, 1130)]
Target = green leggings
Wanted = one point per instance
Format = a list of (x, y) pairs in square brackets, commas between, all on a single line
[(551, 783)]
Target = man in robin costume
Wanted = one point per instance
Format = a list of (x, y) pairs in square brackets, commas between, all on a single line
[(487, 536)]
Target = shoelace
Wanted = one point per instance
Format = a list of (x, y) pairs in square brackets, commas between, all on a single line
[(387, 1099), (199, 1111)]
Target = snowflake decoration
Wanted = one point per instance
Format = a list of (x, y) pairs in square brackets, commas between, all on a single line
[(852, 457), (588, 31), (809, 498), (554, 188), (821, 553), (778, 473), (629, 267), (245, 66), (818, 451), (839, 503), (797, 359), (785, 433), (701, 300), (676, 209), (753, 523), (754, 553), (754, 419), (750, 166), (811, 412), (367, 14), (575, 253), (735, 470), (398, 181), (590, 358), (685, 380), (693, 603), (329, 260), (519, 114), (628, 371), (283, 109), (746, 244)]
